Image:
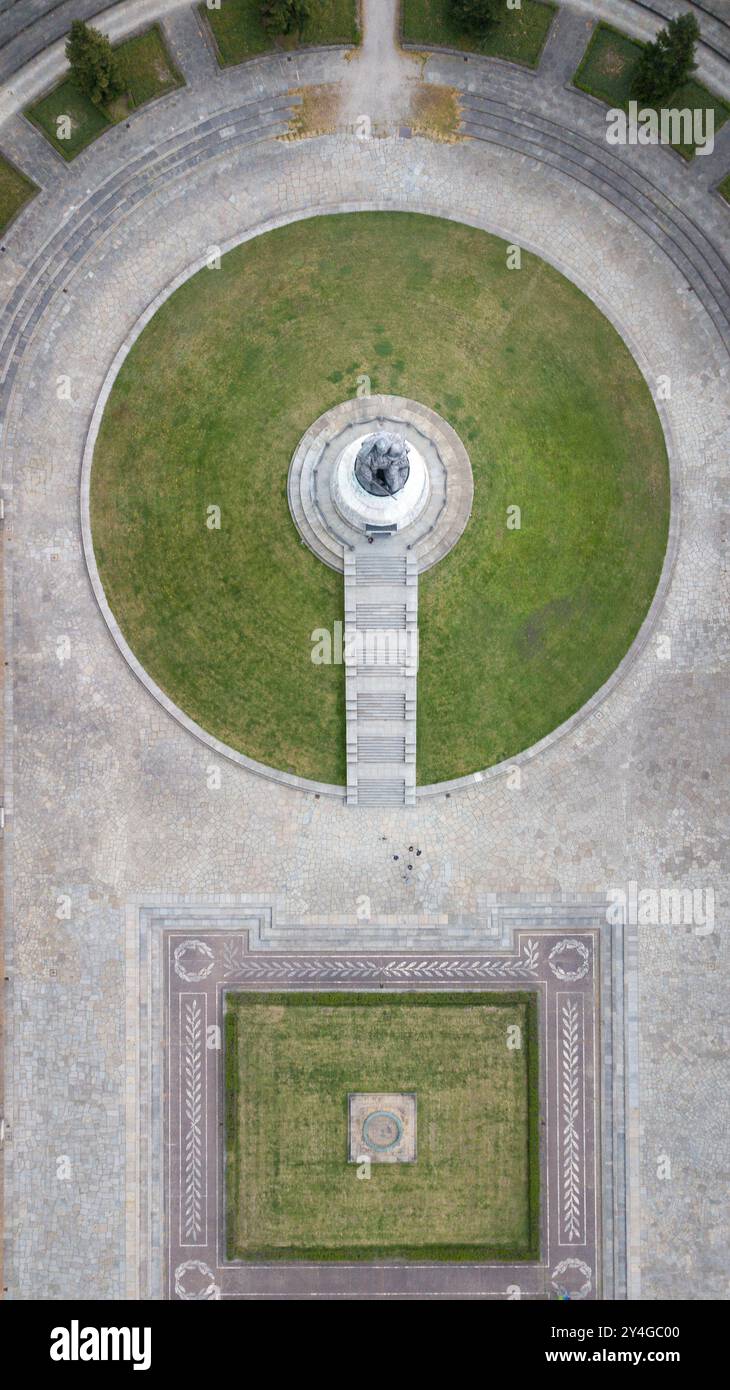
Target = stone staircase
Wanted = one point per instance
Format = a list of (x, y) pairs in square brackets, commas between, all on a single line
[(381, 664), (381, 565)]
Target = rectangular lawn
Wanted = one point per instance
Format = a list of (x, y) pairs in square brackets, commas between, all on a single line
[(146, 70), (291, 1061), (517, 35), (607, 69), (86, 121), (239, 32), (15, 192)]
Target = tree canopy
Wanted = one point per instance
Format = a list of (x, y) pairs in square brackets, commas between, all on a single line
[(93, 63), (667, 62), (283, 16), (473, 16)]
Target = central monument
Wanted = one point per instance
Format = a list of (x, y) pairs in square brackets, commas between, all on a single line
[(380, 482), (382, 466)]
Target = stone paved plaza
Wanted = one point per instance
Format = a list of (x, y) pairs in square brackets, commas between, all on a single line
[(109, 808)]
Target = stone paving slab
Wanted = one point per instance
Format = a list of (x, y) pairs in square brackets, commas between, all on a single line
[(187, 40), (567, 40)]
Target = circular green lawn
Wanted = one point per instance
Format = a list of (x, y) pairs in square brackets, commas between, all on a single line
[(519, 626)]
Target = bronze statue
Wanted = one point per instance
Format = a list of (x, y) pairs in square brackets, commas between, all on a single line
[(382, 466)]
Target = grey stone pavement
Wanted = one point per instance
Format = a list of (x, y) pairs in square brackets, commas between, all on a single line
[(566, 43), (28, 26), (107, 797), (185, 37), (382, 76)]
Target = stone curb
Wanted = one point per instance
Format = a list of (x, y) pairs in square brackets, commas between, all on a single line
[(468, 55)]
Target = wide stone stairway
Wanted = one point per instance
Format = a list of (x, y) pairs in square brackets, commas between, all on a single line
[(381, 664), (381, 542)]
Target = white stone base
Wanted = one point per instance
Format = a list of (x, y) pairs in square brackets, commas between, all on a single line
[(362, 509), (430, 513)]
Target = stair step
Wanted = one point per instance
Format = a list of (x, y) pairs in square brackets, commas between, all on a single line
[(381, 792), (383, 706), (381, 676), (380, 569), (389, 670), (381, 749), (383, 615)]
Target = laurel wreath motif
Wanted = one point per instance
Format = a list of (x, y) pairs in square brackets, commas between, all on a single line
[(209, 1291), (236, 963), (199, 949), (581, 1267), (569, 943)]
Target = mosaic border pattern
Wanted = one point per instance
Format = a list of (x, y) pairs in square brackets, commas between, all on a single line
[(183, 957)]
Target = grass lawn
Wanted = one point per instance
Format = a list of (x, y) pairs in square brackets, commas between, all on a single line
[(147, 70), (239, 33), (15, 191), (291, 1060), (724, 188), (607, 69), (87, 120), (518, 35), (518, 627)]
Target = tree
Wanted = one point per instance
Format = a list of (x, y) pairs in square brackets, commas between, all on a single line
[(684, 33), (667, 62), (473, 16), (282, 16), (93, 63)]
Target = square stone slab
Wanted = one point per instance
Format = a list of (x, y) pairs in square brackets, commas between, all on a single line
[(382, 1126)]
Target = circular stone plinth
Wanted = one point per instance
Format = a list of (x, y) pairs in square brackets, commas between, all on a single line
[(382, 1130), (364, 510), (332, 511)]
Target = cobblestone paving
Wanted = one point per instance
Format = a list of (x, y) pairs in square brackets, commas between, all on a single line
[(109, 798)]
